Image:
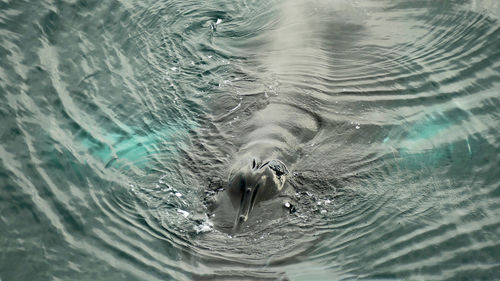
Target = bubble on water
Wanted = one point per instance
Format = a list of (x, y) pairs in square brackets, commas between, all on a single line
[(323, 211), (357, 127)]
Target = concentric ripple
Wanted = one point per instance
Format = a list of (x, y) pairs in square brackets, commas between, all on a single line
[(119, 117)]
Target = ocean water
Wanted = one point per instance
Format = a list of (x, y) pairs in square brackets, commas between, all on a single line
[(117, 116)]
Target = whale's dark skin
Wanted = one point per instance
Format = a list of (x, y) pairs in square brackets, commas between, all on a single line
[(255, 190), (258, 179), (253, 183)]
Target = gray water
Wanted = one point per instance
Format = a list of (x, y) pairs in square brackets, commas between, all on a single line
[(116, 117)]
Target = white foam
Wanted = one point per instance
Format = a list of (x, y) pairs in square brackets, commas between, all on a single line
[(184, 213), (206, 226)]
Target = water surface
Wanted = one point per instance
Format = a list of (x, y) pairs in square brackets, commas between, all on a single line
[(117, 115)]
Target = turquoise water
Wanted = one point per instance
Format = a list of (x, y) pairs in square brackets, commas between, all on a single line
[(117, 116)]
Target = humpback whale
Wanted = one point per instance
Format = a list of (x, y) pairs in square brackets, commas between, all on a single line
[(257, 186), (278, 130)]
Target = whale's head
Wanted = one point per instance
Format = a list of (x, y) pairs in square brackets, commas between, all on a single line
[(254, 182)]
